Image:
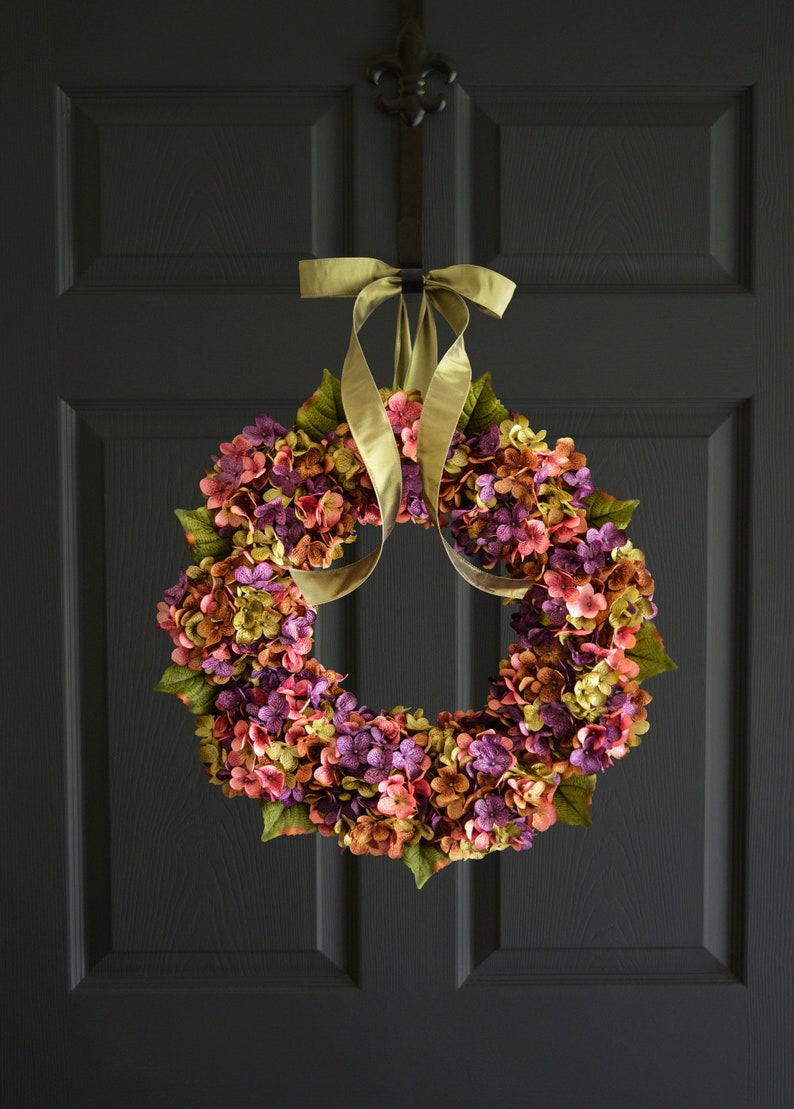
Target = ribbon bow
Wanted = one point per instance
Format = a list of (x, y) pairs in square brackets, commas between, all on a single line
[(444, 387)]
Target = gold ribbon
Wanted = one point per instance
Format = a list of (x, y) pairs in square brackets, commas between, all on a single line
[(444, 388)]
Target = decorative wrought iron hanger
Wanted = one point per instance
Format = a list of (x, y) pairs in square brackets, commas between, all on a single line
[(411, 64)]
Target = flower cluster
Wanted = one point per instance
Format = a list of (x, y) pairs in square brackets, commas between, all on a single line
[(277, 725)]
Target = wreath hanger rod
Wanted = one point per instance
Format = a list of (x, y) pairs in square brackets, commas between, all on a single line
[(411, 65)]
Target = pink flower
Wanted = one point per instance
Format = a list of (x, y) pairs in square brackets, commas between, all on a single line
[(408, 436), (625, 637), (321, 512), (239, 446), (626, 667), (480, 840), (536, 538), (271, 779), (215, 490), (568, 528), (240, 736), (397, 799), (244, 779), (324, 773), (587, 603), (401, 411), (257, 737), (560, 584)]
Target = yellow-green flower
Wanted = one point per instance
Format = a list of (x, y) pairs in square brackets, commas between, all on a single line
[(630, 609), (520, 434), (255, 618)]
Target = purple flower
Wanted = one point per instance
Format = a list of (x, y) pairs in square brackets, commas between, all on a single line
[(290, 529), (379, 761), (611, 537), (345, 704), (580, 481), (594, 753), (230, 469), (289, 797), (489, 811), (256, 576), (286, 478), (485, 484), (527, 832), (174, 595), (221, 668), (490, 757), (271, 512), (270, 677), (617, 700), (591, 553), (317, 686), (408, 757), (353, 749), (557, 611), (412, 490), (273, 714), (298, 627), (589, 762), (230, 700), (263, 432), (510, 523), (485, 444), (539, 742), (557, 718), (565, 559)]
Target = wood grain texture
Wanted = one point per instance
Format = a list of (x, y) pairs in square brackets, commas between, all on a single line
[(770, 872), (134, 1033), (600, 188), (163, 875), (186, 189), (631, 891)]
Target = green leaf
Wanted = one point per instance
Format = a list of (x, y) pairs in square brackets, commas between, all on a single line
[(602, 508), (572, 799), (649, 653), (323, 411), (191, 688), (423, 860), (202, 535), (280, 821), (482, 409)]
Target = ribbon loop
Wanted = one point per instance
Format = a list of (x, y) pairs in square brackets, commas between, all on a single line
[(444, 387)]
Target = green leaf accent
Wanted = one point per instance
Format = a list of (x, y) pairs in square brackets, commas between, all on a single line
[(649, 653), (423, 860), (202, 535), (572, 799), (323, 411), (482, 409), (280, 821), (191, 688), (602, 508)]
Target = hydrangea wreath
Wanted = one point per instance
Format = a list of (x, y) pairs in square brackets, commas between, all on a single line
[(278, 726)]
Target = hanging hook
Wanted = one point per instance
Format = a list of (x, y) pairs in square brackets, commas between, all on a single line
[(412, 65)]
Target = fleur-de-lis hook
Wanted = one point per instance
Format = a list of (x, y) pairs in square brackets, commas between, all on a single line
[(411, 65)]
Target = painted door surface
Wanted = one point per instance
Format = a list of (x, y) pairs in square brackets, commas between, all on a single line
[(166, 166)]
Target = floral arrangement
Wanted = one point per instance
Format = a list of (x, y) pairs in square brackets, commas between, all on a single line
[(277, 726)]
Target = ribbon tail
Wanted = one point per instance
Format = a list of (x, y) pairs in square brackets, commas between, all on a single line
[(443, 404), (402, 348), (424, 357), (374, 439)]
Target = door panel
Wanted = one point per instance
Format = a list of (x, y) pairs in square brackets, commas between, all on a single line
[(631, 170)]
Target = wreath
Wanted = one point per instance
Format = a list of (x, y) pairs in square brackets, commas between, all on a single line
[(277, 726)]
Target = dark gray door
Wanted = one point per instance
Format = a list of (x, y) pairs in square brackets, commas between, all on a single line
[(630, 166)]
